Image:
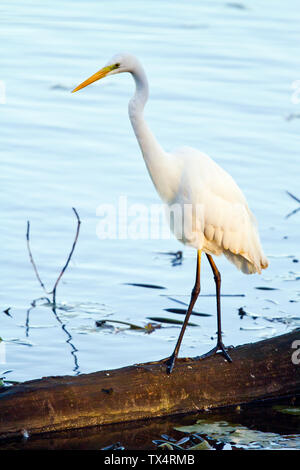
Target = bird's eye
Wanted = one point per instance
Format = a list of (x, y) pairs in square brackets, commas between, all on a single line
[(117, 65)]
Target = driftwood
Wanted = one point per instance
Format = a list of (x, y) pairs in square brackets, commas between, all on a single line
[(259, 371)]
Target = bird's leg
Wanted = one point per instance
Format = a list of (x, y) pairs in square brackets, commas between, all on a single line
[(195, 292), (220, 345)]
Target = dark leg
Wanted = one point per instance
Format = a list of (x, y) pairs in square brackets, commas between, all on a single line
[(220, 346), (194, 296)]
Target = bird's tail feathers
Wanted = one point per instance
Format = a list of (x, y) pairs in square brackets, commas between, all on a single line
[(246, 264)]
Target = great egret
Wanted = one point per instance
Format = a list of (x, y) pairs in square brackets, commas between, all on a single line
[(220, 220)]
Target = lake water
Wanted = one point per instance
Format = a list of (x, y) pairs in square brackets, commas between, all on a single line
[(221, 79)]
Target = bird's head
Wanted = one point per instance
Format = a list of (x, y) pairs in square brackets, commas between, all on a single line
[(118, 64)]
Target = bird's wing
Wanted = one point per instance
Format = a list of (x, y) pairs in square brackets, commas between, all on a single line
[(223, 214)]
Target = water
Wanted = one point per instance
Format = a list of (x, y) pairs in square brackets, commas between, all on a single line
[(221, 79)]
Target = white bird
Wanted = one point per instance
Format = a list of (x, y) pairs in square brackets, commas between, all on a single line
[(214, 216)]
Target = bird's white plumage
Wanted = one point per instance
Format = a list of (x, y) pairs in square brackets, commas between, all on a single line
[(222, 221), (218, 219)]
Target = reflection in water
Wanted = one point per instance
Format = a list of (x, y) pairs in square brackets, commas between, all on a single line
[(176, 257), (251, 423), (53, 291), (74, 350)]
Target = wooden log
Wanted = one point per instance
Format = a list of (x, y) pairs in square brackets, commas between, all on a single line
[(259, 371)]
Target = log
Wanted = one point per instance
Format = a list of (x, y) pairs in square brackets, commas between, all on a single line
[(259, 371)]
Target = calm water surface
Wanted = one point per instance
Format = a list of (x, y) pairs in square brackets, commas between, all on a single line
[(221, 79)]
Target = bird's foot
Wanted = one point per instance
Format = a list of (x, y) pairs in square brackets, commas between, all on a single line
[(166, 361), (220, 347), (170, 363)]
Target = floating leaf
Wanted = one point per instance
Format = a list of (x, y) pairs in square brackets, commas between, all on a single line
[(182, 311), (204, 445), (230, 433), (170, 321), (266, 288), (246, 436), (253, 328), (147, 286), (101, 323), (202, 427), (183, 440), (117, 446), (168, 438), (166, 445), (149, 328)]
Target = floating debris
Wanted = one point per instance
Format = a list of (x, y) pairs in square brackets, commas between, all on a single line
[(231, 433), (203, 445), (186, 443), (182, 311), (6, 311), (149, 328), (170, 321), (147, 286), (266, 288), (168, 438), (117, 446), (253, 328), (242, 312)]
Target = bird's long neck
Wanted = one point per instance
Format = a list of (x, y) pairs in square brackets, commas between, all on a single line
[(157, 161)]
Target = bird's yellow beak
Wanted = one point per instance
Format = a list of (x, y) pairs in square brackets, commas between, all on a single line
[(97, 76)]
